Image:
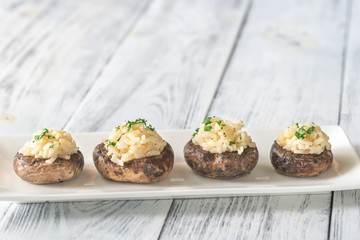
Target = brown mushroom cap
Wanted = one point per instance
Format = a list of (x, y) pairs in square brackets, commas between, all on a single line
[(299, 165), (142, 170), (37, 171), (225, 165)]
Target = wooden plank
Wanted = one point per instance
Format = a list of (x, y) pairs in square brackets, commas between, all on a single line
[(279, 74), (345, 217), (4, 206), (247, 218), (168, 69), (176, 46), (85, 220), (49, 64), (49, 57), (294, 73), (17, 18)]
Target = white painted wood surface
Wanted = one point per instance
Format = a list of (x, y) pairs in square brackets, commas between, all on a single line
[(36, 45), (85, 220), (88, 65), (345, 219), (162, 49), (271, 217), (287, 65), (168, 69), (49, 63), (275, 78)]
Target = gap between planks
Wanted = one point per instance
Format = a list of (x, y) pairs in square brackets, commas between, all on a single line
[(108, 60), (242, 25)]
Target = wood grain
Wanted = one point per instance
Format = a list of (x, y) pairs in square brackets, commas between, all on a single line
[(4, 206), (248, 218), (85, 220), (167, 70), (57, 50), (286, 67), (277, 76), (345, 217), (49, 56)]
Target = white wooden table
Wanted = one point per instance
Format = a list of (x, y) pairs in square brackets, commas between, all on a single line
[(88, 65)]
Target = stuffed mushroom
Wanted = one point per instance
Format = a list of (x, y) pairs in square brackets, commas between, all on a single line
[(52, 156), (134, 152), (302, 150), (221, 149)]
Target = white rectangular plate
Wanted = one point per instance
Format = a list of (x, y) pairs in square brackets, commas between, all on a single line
[(181, 182)]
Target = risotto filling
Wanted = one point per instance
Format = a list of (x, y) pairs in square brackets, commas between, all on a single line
[(217, 136)]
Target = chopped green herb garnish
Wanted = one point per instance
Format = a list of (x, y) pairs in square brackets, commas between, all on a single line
[(196, 132), (129, 124), (231, 143), (240, 137), (44, 132), (120, 137), (52, 146), (59, 143), (218, 122), (38, 137), (110, 143), (301, 134), (310, 130), (16, 154), (151, 128), (207, 128), (224, 134), (207, 121), (117, 128)]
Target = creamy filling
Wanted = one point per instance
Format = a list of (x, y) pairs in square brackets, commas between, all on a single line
[(304, 138), (133, 140), (217, 136), (50, 144)]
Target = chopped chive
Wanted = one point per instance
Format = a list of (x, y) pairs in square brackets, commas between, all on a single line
[(207, 128), (196, 132), (301, 134), (310, 130), (120, 137), (207, 121), (110, 143), (129, 124), (151, 128)]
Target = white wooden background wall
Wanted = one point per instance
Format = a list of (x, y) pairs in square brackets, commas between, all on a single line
[(87, 65)]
